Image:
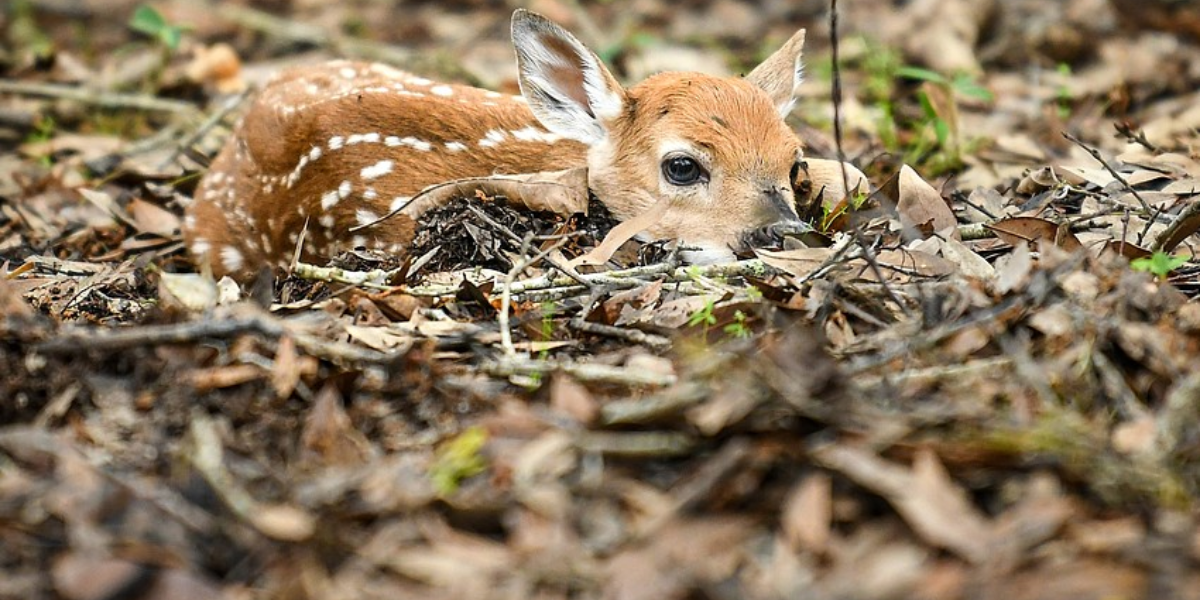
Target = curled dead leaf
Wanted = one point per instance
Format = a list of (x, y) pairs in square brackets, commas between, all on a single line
[(1035, 231)]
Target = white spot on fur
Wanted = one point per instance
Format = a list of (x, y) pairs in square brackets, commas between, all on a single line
[(455, 146), (336, 142), (200, 247), (189, 222), (329, 199), (398, 203), (232, 258), (492, 138), (343, 189), (418, 81), (491, 94), (392, 141), (377, 170), (365, 217), (370, 194), (314, 153), (535, 134), (327, 221), (348, 73), (370, 138), (358, 241), (442, 90)]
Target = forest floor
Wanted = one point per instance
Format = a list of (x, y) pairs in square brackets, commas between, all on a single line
[(978, 382)]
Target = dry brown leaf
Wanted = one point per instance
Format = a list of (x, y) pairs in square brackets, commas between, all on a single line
[(1014, 269), (923, 263), (381, 338), (329, 437), (968, 262), (571, 398), (283, 522), (285, 373), (190, 292), (827, 182), (807, 514), (622, 233), (937, 509), (1035, 231), (78, 576), (798, 262), (921, 207), (152, 218)]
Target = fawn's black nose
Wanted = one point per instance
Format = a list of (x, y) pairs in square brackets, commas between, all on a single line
[(775, 233)]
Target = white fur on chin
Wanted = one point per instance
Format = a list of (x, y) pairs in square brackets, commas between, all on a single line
[(707, 255)]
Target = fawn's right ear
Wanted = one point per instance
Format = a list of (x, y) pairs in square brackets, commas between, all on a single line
[(569, 90)]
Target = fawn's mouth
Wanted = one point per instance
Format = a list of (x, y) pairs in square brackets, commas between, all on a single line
[(774, 235)]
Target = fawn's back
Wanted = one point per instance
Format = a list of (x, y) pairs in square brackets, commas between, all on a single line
[(332, 147)]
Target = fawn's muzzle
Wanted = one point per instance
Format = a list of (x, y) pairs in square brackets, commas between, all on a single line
[(773, 235)]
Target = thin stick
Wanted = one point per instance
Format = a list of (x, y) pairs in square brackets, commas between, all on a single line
[(1111, 171), (97, 98), (219, 115)]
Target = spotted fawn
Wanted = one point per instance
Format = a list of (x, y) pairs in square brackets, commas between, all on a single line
[(328, 148)]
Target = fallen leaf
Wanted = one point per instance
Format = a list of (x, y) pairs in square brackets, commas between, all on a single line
[(921, 207), (329, 437), (937, 509), (1035, 231), (807, 515)]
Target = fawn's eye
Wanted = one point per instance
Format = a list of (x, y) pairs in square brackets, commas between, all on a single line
[(683, 170)]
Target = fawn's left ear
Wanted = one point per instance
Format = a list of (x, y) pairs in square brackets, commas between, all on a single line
[(781, 73), (569, 90)]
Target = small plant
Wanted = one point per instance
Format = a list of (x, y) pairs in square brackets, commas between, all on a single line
[(1160, 264), (704, 316), (146, 19), (43, 130), (738, 328), (1062, 96), (457, 460), (939, 108)]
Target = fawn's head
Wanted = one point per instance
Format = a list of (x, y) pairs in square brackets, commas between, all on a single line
[(715, 149)]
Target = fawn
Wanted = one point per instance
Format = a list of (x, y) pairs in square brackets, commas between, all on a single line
[(327, 148)]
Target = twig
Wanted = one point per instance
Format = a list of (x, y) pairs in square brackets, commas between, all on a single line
[(97, 98), (101, 339), (1111, 171), (657, 342), (374, 279), (1181, 220), (590, 372), (506, 292), (219, 115)]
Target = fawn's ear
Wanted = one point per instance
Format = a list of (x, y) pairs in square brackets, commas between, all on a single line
[(569, 90), (781, 73)]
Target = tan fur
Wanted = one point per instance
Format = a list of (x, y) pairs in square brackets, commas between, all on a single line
[(324, 149)]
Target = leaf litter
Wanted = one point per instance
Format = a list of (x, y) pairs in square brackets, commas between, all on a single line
[(974, 380)]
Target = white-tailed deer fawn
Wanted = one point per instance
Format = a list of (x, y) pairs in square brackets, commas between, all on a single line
[(328, 148)]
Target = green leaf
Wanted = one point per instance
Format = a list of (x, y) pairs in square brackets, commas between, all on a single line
[(458, 459), (921, 74), (1160, 264), (146, 19), (964, 85)]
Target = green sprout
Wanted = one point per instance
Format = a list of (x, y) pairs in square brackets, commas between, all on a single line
[(457, 460), (738, 328), (1160, 264), (146, 19)]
